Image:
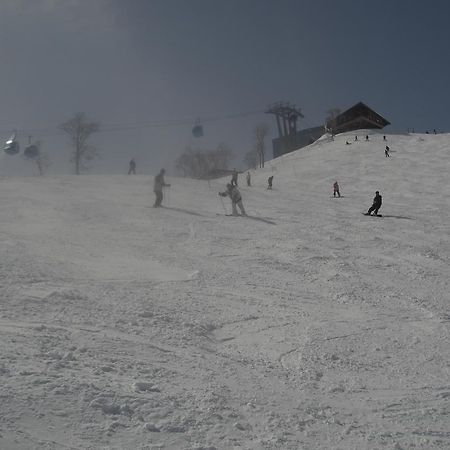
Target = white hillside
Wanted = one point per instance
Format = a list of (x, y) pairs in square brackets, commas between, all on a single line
[(128, 327)]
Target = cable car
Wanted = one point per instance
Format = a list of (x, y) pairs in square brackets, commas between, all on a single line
[(12, 147), (197, 131)]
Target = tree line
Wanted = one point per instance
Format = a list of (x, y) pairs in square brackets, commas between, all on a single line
[(193, 162)]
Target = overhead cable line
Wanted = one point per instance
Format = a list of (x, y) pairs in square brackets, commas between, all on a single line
[(49, 131)]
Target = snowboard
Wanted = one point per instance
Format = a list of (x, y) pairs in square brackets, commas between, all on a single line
[(372, 215)]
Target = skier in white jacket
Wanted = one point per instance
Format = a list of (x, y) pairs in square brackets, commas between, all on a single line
[(236, 199)]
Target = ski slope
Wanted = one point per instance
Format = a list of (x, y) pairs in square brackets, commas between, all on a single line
[(129, 327)]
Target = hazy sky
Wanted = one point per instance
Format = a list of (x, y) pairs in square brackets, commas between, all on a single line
[(142, 63)]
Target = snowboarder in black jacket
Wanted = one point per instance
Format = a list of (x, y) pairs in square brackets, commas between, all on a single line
[(376, 205)]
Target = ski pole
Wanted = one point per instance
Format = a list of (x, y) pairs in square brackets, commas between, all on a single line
[(223, 206), (168, 195)]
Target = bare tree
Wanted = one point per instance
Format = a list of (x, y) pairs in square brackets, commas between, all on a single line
[(222, 156), (260, 133), (42, 160), (198, 163), (331, 120), (79, 129), (43, 163), (251, 159), (33, 153)]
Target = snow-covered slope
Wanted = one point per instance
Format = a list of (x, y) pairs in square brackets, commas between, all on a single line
[(307, 325)]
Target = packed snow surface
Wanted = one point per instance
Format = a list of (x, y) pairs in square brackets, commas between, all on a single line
[(304, 326)]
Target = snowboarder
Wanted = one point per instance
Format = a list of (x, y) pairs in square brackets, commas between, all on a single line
[(248, 179), (234, 177), (132, 169), (158, 188), (376, 205), (336, 189), (269, 182), (236, 199), (386, 151)]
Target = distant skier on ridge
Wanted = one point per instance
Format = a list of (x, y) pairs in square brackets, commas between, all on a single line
[(236, 199)]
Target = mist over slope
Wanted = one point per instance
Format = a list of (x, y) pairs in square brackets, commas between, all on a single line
[(307, 325)]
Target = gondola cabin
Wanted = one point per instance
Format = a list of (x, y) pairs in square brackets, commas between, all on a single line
[(12, 147), (197, 131)]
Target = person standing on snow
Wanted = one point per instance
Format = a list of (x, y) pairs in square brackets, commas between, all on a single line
[(336, 189), (234, 177), (132, 169), (269, 182), (248, 179), (386, 151), (236, 199), (158, 188), (376, 205)]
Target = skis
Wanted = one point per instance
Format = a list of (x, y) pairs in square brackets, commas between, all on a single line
[(261, 219)]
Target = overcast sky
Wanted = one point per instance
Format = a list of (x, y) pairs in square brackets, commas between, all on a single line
[(142, 63)]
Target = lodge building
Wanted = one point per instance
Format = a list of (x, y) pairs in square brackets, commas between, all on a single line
[(358, 117)]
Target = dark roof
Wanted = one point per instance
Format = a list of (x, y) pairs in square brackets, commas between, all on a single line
[(357, 117)]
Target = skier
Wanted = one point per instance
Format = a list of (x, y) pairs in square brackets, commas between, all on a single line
[(386, 151), (132, 169), (384, 137), (376, 205), (336, 189), (248, 179), (158, 188), (356, 138), (367, 137), (234, 177), (269, 182), (236, 199)]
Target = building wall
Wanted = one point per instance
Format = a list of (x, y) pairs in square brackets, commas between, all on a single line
[(302, 138)]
